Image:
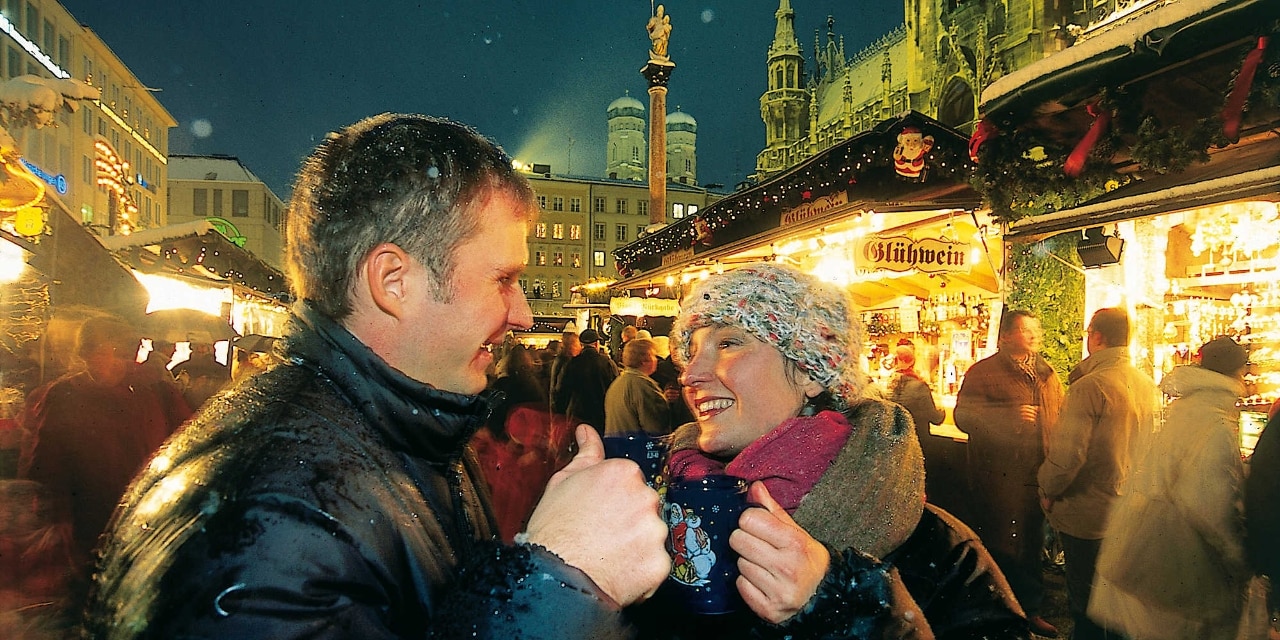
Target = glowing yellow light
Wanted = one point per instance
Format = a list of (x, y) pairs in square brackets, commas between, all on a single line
[(170, 293), (12, 262)]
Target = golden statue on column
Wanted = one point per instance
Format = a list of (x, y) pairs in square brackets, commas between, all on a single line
[(659, 29)]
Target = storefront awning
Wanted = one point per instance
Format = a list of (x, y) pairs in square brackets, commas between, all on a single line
[(1141, 102), (197, 250), (910, 163), (81, 272)]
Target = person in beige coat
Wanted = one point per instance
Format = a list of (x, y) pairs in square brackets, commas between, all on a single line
[(1172, 562), (1106, 414)]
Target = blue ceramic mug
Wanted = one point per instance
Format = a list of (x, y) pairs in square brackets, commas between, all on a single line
[(700, 515), (648, 451)]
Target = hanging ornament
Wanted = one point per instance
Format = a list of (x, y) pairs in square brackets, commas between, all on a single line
[(29, 222), (1233, 110), (984, 131), (702, 231), (1074, 165), (908, 155)]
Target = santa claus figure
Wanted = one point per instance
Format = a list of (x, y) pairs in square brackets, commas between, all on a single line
[(908, 156)]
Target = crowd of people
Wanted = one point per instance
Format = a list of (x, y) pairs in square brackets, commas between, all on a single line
[(404, 468)]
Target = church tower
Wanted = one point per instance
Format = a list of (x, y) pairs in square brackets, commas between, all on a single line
[(627, 154), (682, 148), (785, 105)]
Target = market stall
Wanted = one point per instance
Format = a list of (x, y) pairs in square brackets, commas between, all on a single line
[(1152, 146)]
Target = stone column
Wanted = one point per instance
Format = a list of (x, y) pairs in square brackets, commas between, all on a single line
[(657, 73)]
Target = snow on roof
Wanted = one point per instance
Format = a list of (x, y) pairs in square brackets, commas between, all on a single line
[(223, 168), (157, 235), (1124, 35), (625, 102)]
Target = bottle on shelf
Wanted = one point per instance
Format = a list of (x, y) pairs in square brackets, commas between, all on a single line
[(962, 308)]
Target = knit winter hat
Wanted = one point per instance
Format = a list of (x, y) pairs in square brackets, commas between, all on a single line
[(814, 324), (1223, 355)]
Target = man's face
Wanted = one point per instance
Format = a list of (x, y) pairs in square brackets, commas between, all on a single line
[(108, 364), (1024, 338), (454, 332)]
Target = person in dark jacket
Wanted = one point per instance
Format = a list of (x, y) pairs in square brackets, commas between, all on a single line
[(840, 542), (332, 495), (1262, 507), (1008, 404), (585, 382)]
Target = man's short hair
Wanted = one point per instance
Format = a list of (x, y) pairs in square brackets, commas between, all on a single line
[(411, 180), (637, 352), (1009, 320), (629, 332), (1112, 324)]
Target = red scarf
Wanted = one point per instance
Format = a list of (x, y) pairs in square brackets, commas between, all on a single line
[(789, 460)]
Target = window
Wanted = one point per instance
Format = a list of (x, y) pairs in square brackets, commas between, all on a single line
[(557, 231), (557, 203), (556, 287), (15, 62), (540, 230), (620, 233), (575, 205), (599, 204), (557, 259), (620, 205), (639, 230), (200, 202), (540, 258), (524, 285), (688, 165), (542, 202), (597, 258), (635, 154), (677, 210), (642, 207), (217, 202), (240, 203), (575, 232), (576, 260), (598, 232), (693, 209)]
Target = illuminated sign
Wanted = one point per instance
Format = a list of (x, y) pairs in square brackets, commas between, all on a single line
[(811, 210), (899, 253), (58, 182), (31, 48)]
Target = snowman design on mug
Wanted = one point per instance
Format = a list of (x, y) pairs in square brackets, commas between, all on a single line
[(692, 557)]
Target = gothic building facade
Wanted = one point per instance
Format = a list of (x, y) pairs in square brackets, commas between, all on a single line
[(937, 63)]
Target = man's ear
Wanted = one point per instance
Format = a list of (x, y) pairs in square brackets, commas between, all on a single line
[(387, 274)]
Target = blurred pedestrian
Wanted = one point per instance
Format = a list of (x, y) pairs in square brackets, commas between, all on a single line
[(585, 381), (1172, 563), (570, 346), (92, 429), (1262, 511), (1008, 404), (1107, 417), (908, 389), (634, 402)]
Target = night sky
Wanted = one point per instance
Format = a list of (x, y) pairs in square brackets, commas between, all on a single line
[(265, 81)]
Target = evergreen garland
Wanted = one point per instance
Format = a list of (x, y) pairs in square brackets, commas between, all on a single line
[(1018, 182), (1041, 280)]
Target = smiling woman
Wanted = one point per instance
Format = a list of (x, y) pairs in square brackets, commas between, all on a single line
[(772, 370)]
